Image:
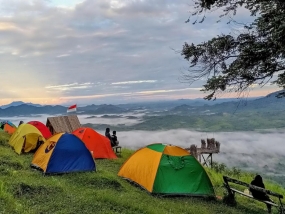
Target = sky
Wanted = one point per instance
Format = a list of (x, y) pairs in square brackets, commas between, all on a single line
[(100, 51)]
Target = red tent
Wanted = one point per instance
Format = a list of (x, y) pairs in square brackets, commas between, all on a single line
[(42, 128), (98, 144)]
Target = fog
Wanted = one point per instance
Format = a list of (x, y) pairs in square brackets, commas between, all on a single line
[(247, 150), (126, 119)]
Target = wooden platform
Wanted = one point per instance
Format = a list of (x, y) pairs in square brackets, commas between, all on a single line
[(209, 149)]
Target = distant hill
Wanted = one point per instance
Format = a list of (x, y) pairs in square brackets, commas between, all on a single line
[(182, 108), (88, 108), (101, 109), (268, 103), (275, 94), (169, 104), (18, 103), (25, 109)]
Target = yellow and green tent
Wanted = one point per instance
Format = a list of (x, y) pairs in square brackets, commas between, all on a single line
[(25, 138), (167, 169)]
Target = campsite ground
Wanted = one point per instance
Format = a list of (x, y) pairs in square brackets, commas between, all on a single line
[(23, 190)]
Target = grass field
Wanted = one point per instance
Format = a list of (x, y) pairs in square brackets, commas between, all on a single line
[(26, 191)]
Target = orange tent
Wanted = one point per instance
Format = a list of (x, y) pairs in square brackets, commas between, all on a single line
[(9, 129), (97, 144)]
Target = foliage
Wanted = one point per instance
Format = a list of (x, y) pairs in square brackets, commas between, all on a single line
[(222, 168), (234, 63), (23, 190)]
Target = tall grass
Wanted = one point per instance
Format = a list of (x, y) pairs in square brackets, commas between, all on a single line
[(27, 191)]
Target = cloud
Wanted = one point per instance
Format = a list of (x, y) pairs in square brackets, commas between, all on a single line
[(122, 119), (251, 151), (134, 82), (71, 86), (63, 55), (137, 94), (112, 42)]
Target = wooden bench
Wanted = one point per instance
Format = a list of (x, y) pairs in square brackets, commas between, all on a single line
[(117, 149), (232, 191)]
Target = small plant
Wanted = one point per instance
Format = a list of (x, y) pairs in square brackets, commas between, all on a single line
[(219, 167), (236, 172)]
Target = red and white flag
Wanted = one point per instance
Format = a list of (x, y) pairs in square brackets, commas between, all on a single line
[(71, 108)]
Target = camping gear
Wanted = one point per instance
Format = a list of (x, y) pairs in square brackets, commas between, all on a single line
[(26, 138), (8, 127), (63, 153), (167, 169), (97, 144), (42, 128), (7, 122)]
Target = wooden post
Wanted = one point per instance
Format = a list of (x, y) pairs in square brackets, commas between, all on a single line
[(193, 150), (211, 143), (218, 146), (230, 198), (205, 160), (203, 144)]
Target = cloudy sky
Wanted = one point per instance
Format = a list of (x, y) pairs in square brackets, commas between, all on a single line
[(99, 51)]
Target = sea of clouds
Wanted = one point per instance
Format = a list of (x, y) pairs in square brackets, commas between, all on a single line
[(254, 151)]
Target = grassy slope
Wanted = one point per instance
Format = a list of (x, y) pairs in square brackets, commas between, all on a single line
[(23, 190)]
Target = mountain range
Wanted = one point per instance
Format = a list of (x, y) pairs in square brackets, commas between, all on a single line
[(269, 103), (18, 103), (181, 107)]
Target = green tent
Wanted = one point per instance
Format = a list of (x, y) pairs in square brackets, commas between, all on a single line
[(167, 169)]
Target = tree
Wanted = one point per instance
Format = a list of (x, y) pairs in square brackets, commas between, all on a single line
[(234, 63)]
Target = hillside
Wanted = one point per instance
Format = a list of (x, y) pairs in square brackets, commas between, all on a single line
[(23, 190)]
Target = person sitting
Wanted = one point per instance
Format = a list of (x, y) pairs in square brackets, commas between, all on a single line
[(258, 194), (108, 135), (115, 139)]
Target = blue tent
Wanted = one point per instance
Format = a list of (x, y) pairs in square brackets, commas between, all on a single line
[(7, 122), (63, 153)]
